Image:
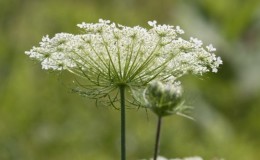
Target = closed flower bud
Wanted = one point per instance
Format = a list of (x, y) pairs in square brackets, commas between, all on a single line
[(163, 99)]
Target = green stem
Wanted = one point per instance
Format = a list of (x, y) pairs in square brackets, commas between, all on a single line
[(157, 138), (122, 101)]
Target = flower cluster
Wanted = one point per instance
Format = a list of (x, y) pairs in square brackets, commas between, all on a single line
[(109, 55)]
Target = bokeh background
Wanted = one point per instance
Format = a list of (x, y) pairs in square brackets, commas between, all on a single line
[(41, 119)]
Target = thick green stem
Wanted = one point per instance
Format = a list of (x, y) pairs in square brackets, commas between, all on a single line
[(157, 138), (122, 101)]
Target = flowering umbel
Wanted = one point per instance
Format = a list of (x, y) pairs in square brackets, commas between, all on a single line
[(108, 55), (111, 57)]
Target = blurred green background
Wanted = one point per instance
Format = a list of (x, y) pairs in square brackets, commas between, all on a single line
[(40, 119)]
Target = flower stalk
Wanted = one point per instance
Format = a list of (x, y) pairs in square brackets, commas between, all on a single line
[(122, 103), (157, 138)]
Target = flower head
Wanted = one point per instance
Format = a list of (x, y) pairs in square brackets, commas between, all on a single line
[(163, 99), (107, 55)]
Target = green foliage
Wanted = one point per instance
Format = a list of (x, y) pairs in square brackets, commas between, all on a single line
[(40, 118)]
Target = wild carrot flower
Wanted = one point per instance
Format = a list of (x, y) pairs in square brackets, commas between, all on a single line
[(108, 55)]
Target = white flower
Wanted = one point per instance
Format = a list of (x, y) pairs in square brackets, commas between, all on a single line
[(197, 43), (152, 23), (211, 48), (161, 158), (187, 158), (179, 30), (109, 55)]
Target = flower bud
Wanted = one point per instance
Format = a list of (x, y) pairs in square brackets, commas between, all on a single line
[(163, 99)]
